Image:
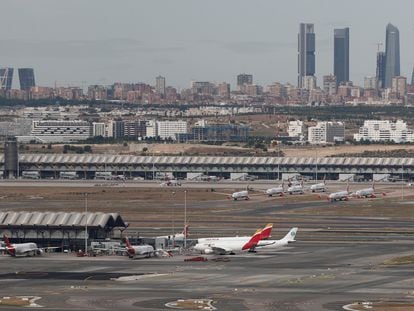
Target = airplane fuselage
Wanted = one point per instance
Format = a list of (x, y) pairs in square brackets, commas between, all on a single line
[(240, 195), (275, 191), (365, 193), (338, 196)]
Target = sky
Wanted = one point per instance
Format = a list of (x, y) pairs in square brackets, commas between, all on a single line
[(82, 42)]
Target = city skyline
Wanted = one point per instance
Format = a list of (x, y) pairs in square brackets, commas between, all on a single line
[(181, 43)]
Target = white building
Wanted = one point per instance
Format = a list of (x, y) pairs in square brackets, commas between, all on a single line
[(326, 132), (296, 129), (58, 131), (99, 129), (385, 130), (169, 129), (151, 128), (309, 82)]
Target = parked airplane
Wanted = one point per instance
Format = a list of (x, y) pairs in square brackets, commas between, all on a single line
[(321, 187), (279, 191), (240, 195), (23, 249), (136, 251), (178, 236), (229, 246), (367, 192), (171, 183), (296, 189), (265, 234), (340, 195), (273, 244)]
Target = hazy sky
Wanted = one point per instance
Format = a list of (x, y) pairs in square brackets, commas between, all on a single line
[(103, 41)]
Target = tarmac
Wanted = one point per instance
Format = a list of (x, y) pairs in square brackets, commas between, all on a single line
[(303, 276), (336, 261)]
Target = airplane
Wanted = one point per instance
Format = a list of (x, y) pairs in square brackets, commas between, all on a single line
[(240, 195), (296, 189), (321, 187), (367, 192), (340, 195), (178, 236), (229, 246), (276, 191), (273, 244), (136, 251), (265, 234), (171, 183), (23, 249)]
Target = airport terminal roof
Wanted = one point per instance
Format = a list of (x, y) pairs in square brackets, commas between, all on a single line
[(60, 220), (207, 160)]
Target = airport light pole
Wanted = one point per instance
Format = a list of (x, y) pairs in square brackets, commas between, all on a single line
[(316, 165), (185, 218), (402, 182), (86, 223)]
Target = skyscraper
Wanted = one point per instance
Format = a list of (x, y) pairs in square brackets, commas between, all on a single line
[(160, 85), (6, 78), (412, 78), (27, 79), (392, 52), (244, 78), (341, 54), (381, 69), (306, 52)]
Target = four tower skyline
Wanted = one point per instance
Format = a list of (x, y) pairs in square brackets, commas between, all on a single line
[(388, 61)]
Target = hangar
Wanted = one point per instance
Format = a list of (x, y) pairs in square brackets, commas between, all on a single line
[(59, 229)]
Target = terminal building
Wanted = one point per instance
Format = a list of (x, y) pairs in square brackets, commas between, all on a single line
[(89, 166), (59, 229)]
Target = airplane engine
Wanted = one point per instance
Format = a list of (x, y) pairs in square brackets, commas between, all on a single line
[(39, 252), (208, 251)]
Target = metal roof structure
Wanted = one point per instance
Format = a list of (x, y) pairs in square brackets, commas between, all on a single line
[(206, 160), (60, 220)]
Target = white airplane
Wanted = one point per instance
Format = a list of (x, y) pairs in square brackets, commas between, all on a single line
[(274, 244), (23, 249), (279, 191), (171, 183), (265, 234), (229, 246), (296, 189), (367, 192), (138, 251), (240, 195), (340, 195), (321, 187), (177, 236)]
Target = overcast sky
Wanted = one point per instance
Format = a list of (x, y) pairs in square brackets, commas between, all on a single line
[(75, 42)]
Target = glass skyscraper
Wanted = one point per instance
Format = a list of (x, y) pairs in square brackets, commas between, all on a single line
[(306, 52), (392, 54), (6, 78), (27, 79), (341, 54), (381, 69)]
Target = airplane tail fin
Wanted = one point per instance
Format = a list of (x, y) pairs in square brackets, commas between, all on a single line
[(256, 237), (290, 236), (324, 179), (186, 231), (7, 241), (266, 232), (128, 244)]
